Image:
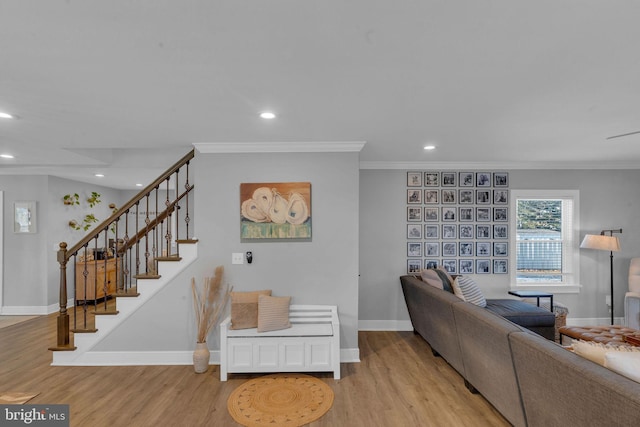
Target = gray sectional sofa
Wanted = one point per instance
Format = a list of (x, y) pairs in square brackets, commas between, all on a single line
[(531, 380)]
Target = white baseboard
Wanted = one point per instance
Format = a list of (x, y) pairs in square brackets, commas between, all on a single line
[(32, 310), (385, 325), (349, 355), (138, 358)]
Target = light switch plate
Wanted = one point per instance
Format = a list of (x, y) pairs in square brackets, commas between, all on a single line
[(237, 258)]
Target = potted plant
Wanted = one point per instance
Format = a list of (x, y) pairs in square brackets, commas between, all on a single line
[(209, 303)]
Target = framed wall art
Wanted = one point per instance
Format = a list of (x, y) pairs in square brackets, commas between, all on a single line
[(275, 210), (414, 179), (458, 220), (24, 217)]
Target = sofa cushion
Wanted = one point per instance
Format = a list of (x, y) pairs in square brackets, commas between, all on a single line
[(521, 313), (471, 291), (624, 363), (596, 351)]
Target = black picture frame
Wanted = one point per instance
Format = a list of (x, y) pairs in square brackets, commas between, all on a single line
[(431, 231), (431, 214), (432, 179), (414, 249), (414, 179), (431, 196), (449, 231), (414, 266), (483, 179), (450, 265), (500, 179), (465, 266), (414, 231), (483, 266), (448, 179), (500, 266), (414, 197), (466, 179)]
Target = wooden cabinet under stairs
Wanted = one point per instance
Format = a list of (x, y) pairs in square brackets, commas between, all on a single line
[(97, 272)]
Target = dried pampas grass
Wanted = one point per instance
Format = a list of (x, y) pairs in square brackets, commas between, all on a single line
[(209, 302)]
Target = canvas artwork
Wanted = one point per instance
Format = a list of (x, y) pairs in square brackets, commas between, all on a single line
[(279, 210)]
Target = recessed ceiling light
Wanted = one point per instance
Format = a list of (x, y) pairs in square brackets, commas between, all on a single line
[(429, 147), (6, 156), (267, 115), (4, 115), (138, 185), (99, 175)]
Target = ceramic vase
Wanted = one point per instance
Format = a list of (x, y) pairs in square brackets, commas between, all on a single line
[(201, 358)]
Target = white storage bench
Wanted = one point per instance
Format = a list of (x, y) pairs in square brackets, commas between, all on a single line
[(312, 344)]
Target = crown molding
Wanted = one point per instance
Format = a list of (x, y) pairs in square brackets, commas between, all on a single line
[(280, 147), (499, 165)]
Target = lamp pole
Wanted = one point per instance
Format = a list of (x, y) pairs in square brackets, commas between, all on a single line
[(602, 233)]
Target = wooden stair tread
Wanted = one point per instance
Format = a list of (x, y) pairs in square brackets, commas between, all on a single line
[(63, 348), (187, 241), (126, 294), (106, 313), (147, 276), (84, 331), (169, 258)]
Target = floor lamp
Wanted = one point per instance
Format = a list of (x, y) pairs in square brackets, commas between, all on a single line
[(604, 243)]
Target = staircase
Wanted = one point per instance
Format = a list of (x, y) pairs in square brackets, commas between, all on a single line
[(123, 262), (106, 324)]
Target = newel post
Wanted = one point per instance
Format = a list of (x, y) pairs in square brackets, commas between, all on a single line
[(63, 316)]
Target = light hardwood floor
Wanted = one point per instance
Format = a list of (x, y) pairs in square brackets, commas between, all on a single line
[(397, 383)]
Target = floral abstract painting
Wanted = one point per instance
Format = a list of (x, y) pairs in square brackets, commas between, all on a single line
[(275, 210)]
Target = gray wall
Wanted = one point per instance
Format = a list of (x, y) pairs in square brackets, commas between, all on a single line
[(358, 227), (321, 271), (31, 271), (608, 199)]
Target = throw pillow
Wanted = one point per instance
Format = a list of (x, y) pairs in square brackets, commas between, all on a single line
[(627, 364), (471, 291), (456, 289), (595, 351), (430, 277), (446, 274), (446, 279), (273, 313), (244, 309)]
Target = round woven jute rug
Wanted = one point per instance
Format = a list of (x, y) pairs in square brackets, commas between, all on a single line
[(286, 400)]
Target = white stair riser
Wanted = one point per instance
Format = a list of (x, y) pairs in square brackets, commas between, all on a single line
[(105, 324)]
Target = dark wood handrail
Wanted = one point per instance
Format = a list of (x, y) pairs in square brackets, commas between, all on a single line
[(125, 208), (154, 222)]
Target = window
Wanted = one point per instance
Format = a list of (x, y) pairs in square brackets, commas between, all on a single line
[(544, 234)]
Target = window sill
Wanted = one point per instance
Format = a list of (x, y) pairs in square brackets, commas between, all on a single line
[(554, 289)]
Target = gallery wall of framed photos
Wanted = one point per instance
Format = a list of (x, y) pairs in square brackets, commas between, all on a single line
[(459, 220)]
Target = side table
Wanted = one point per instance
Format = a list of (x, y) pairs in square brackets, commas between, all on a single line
[(534, 294)]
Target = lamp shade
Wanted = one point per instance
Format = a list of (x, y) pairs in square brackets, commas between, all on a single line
[(603, 243)]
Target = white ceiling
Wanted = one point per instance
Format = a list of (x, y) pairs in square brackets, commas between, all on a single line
[(99, 85)]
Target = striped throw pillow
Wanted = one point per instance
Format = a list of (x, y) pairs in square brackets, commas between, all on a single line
[(471, 291), (273, 313)]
